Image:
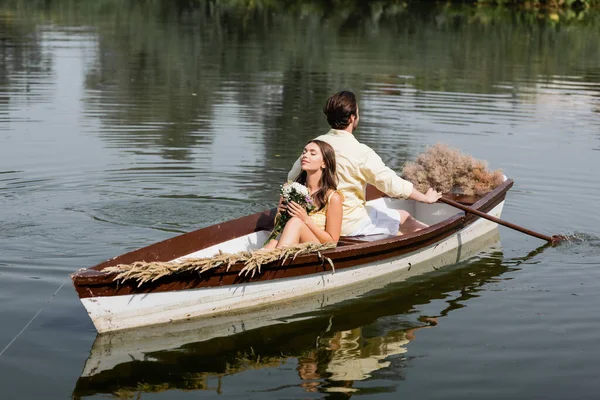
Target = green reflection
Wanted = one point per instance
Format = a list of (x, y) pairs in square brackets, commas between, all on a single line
[(169, 79), (24, 66), (163, 69)]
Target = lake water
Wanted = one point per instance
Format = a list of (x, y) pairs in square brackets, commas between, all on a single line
[(122, 124)]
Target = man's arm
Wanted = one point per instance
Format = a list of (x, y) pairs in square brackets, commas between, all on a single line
[(430, 197), (384, 178), (295, 171)]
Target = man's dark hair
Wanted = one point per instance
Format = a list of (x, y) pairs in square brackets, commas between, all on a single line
[(338, 109)]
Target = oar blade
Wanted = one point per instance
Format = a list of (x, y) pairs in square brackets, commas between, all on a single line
[(557, 239)]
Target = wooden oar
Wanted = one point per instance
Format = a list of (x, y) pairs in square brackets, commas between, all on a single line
[(555, 239)]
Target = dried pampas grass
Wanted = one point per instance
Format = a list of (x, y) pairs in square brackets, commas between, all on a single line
[(448, 170), (143, 272)]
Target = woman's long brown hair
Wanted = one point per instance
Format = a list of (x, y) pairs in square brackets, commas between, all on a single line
[(328, 178)]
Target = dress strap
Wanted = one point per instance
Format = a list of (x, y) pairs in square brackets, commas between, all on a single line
[(331, 194)]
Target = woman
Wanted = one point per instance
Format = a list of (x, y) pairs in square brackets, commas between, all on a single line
[(324, 223)]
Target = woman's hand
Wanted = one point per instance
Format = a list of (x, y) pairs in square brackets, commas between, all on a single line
[(282, 206), (296, 210)]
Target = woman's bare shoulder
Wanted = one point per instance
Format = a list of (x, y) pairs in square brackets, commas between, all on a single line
[(336, 196)]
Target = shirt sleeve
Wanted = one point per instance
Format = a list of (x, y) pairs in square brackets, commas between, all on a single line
[(384, 178), (295, 171)]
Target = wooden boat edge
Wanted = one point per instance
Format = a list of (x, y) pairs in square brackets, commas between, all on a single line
[(344, 257)]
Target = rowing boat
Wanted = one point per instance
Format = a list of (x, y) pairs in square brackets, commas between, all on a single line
[(112, 350), (116, 305), (195, 355)]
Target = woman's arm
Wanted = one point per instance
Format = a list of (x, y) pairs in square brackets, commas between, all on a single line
[(333, 224)]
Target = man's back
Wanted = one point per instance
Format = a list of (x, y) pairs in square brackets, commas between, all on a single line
[(357, 165)]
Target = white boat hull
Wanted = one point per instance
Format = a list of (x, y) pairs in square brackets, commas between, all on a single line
[(140, 344), (114, 313)]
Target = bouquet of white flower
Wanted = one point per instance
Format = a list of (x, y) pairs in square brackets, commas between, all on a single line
[(295, 192)]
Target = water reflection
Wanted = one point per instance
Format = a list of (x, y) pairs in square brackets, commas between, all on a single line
[(156, 82), (334, 339), (230, 91), (152, 98), (25, 69)]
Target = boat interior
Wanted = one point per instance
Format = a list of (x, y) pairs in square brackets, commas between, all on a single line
[(429, 214)]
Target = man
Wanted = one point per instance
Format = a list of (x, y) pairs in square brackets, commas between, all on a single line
[(357, 166)]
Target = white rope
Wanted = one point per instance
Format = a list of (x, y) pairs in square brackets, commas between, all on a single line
[(31, 320)]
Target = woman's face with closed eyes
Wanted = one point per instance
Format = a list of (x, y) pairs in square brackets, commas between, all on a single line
[(312, 158)]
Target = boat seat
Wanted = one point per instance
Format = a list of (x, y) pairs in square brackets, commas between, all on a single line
[(363, 238)]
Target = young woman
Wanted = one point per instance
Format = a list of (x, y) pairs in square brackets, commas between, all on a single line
[(324, 223)]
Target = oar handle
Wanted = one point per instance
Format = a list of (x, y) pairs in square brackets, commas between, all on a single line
[(498, 220)]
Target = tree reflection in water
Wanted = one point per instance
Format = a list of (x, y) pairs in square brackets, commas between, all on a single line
[(182, 83)]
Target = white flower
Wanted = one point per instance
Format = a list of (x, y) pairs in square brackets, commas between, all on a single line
[(300, 188), (291, 192), (289, 188)]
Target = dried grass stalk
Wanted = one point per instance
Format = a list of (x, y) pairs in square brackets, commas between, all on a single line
[(143, 272), (448, 170)]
